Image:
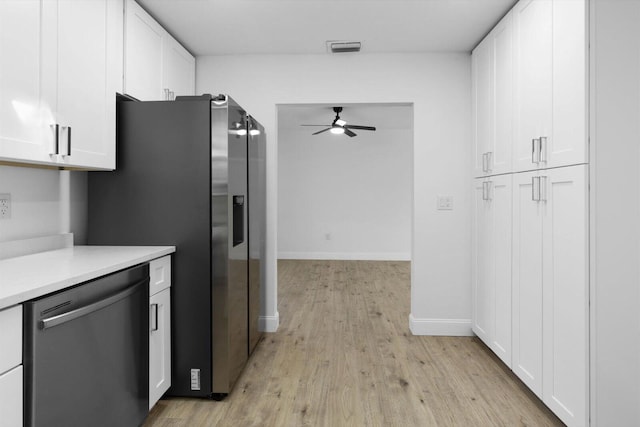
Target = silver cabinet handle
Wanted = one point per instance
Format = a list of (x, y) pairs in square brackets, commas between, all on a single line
[(56, 139), (542, 149), (154, 309), (172, 96), (484, 190), (166, 94), (90, 308), (489, 160), (535, 188), (542, 188), (489, 188), (68, 140), (535, 153)]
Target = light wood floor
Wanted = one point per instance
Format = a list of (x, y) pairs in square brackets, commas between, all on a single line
[(344, 356)]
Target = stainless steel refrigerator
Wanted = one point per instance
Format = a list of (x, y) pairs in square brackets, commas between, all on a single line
[(191, 173)]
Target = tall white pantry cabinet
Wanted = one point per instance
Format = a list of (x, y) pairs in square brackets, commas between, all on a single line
[(530, 220)]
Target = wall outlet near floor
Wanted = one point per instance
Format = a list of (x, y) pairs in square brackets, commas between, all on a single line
[(5, 205), (327, 236), (445, 203)]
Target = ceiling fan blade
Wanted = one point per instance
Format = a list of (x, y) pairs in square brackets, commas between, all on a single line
[(359, 127), (315, 125), (320, 131), (348, 132)]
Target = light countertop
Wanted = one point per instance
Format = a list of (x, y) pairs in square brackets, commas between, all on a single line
[(31, 276)]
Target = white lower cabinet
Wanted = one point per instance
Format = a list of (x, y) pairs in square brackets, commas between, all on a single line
[(11, 377), (550, 292), (492, 263), (159, 328), (11, 398)]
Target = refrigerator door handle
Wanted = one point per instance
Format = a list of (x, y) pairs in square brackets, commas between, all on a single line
[(238, 220)]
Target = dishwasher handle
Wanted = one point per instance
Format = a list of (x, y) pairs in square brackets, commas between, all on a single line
[(59, 319)]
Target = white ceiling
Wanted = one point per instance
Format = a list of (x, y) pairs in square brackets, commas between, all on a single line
[(382, 116), (220, 27)]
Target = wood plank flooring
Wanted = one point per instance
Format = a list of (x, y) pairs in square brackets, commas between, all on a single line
[(344, 356)]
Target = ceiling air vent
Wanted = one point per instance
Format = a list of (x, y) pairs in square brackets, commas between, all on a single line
[(342, 46)]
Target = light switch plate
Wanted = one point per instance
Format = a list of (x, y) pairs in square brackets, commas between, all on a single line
[(445, 203)]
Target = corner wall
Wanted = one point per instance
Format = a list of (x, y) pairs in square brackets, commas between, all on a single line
[(615, 212), (439, 86)]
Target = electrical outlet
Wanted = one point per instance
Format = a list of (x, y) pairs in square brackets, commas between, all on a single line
[(327, 236), (445, 203), (5, 206)]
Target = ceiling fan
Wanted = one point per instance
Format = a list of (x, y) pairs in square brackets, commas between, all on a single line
[(339, 126)]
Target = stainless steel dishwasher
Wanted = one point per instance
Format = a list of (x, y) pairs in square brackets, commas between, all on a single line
[(86, 353)]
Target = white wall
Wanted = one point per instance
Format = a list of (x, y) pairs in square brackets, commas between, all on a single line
[(43, 202), (439, 86), (615, 213), (356, 190)]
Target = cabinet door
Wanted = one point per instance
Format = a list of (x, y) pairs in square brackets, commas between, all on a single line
[(533, 79), (527, 282), (500, 195), (179, 69), (483, 290), (482, 105), (565, 293), (11, 397), (26, 113), (143, 54), (568, 145), (499, 159), (89, 75), (159, 345)]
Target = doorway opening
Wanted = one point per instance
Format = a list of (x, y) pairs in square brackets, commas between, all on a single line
[(343, 198)]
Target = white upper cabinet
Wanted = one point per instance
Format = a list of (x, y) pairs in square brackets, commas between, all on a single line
[(143, 54), (157, 67), (550, 81), (178, 71), (499, 161), (482, 64), (533, 78), (89, 36), (61, 66), (493, 101), (569, 143), (26, 114)]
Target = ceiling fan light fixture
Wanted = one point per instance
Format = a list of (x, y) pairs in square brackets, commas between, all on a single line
[(334, 46), (337, 130), (340, 122)]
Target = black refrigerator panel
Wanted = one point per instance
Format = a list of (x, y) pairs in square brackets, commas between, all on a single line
[(160, 194)]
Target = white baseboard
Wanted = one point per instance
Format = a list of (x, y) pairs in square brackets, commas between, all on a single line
[(440, 327), (352, 256), (269, 323)]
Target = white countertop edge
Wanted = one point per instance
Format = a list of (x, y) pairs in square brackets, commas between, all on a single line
[(27, 277)]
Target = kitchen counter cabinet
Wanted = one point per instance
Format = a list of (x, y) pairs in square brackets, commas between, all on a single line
[(11, 366), (31, 276), (159, 328)]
